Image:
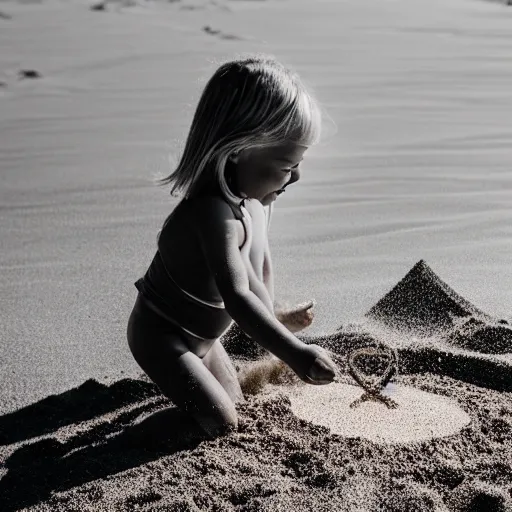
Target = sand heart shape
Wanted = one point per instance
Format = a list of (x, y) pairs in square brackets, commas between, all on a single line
[(383, 362)]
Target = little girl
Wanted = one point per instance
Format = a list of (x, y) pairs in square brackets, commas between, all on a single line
[(253, 124)]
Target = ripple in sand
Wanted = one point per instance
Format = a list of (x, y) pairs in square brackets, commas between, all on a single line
[(420, 415)]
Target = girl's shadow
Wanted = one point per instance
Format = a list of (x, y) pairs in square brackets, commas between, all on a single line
[(87, 401), (37, 469)]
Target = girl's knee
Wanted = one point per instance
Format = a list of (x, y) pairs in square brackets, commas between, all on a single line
[(220, 422), (229, 422)]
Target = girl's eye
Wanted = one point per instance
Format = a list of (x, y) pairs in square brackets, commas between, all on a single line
[(290, 169)]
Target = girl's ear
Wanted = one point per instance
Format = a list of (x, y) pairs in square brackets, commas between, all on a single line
[(234, 157)]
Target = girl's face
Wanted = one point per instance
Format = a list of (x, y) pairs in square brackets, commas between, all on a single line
[(261, 173)]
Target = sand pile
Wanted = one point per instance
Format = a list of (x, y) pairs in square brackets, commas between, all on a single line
[(424, 303), (479, 336)]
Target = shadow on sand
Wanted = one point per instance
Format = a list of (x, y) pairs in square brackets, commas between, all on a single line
[(87, 401), (38, 469)]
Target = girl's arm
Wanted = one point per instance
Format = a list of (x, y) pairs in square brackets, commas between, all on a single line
[(217, 230), (263, 288), (268, 273)]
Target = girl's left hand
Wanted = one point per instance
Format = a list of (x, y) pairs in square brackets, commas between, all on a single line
[(298, 317)]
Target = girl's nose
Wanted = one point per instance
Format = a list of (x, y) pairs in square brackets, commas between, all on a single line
[(295, 176)]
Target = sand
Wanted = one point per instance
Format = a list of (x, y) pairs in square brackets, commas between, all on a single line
[(418, 415), (446, 446), (415, 166), (274, 461)]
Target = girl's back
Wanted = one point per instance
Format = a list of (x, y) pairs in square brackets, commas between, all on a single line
[(179, 282), (180, 248)]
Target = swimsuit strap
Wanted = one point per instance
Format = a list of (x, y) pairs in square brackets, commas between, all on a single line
[(247, 229), (237, 210)]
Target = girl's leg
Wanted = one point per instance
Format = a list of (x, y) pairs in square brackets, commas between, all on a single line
[(161, 352), (220, 365)]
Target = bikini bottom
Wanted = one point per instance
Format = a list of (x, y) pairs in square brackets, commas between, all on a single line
[(154, 324)]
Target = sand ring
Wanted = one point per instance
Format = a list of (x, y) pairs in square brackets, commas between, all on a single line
[(373, 384), (420, 415)]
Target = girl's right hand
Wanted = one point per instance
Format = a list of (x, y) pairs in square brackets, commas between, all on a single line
[(323, 369)]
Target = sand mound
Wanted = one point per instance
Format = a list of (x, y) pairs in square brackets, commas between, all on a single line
[(422, 302), (421, 305), (477, 496), (476, 335), (419, 415)]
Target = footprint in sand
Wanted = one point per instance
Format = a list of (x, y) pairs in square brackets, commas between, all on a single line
[(219, 33), (31, 74), (101, 6)]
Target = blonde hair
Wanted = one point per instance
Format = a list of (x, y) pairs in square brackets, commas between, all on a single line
[(248, 102)]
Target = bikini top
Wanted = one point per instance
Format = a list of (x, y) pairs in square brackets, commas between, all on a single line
[(241, 214)]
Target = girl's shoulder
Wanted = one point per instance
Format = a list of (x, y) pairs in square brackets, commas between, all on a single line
[(212, 208), (215, 222)]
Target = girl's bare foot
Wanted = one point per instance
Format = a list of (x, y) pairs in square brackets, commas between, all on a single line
[(296, 318)]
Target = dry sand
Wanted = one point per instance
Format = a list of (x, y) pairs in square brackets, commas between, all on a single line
[(91, 104)]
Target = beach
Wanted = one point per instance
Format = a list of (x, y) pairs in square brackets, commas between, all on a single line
[(412, 178)]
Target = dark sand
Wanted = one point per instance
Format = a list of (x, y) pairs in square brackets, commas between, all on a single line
[(68, 452)]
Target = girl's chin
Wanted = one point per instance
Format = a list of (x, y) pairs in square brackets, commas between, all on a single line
[(269, 198)]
